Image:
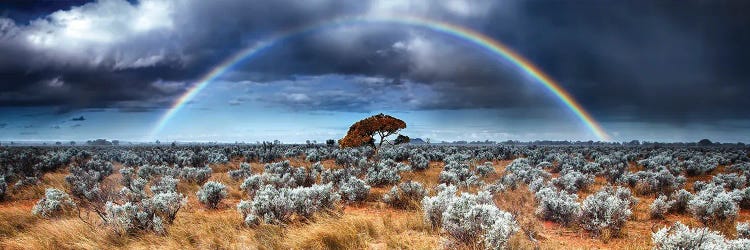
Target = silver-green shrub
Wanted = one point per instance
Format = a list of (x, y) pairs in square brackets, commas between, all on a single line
[(54, 203), (557, 206), (354, 190), (212, 193), (608, 209)]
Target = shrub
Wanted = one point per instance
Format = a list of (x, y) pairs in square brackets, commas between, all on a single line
[(681, 200), (403, 167), (698, 168), (743, 196), (212, 193), (519, 170), (196, 175), (54, 203), (557, 206), (3, 187), (419, 162), (354, 190), (648, 182), (730, 181), (252, 183), (485, 169), (457, 174), (127, 175), (25, 182), (743, 230), (84, 183), (537, 185), (680, 236), (130, 218), (166, 204), (136, 191), (606, 211), (713, 205), (243, 172), (166, 184), (245, 209), (660, 206), (149, 171), (572, 181), (698, 186), (472, 218), (381, 174), (433, 207), (406, 195), (312, 155), (277, 205), (336, 176)]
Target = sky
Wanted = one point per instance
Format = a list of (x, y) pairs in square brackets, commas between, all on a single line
[(644, 70)]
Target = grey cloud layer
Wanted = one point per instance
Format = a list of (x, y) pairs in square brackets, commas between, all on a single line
[(630, 60)]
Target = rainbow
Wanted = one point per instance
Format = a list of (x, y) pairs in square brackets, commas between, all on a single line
[(462, 33)]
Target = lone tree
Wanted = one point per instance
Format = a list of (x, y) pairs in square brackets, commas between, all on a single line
[(362, 132)]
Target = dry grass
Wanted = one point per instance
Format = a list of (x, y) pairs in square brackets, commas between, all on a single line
[(15, 219), (66, 233), (368, 225), (49, 180)]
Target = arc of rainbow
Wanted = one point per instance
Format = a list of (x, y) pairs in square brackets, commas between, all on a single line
[(460, 32)]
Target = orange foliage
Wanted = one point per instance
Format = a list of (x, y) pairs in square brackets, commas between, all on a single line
[(362, 132)]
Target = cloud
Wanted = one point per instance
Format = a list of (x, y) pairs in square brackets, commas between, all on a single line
[(235, 102), (634, 60)]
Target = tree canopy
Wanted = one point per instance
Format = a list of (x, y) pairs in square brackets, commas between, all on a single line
[(362, 132)]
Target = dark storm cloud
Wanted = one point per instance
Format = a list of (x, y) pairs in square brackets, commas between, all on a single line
[(645, 60)]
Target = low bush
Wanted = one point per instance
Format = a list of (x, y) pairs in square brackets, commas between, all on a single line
[(474, 218), (572, 181), (130, 218), (277, 205), (456, 173), (680, 236), (485, 169), (713, 205), (196, 175), (383, 173), (743, 230), (730, 181), (606, 211), (243, 172), (354, 190), (557, 206), (165, 205), (433, 207), (406, 195), (681, 200), (166, 184), (743, 197), (54, 203), (419, 162), (211, 194), (3, 187), (660, 206)]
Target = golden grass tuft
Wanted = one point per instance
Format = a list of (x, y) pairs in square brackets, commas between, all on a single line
[(14, 220), (347, 232), (67, 233)]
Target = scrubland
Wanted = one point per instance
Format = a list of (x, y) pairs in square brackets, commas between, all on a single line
[(274, 196)]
